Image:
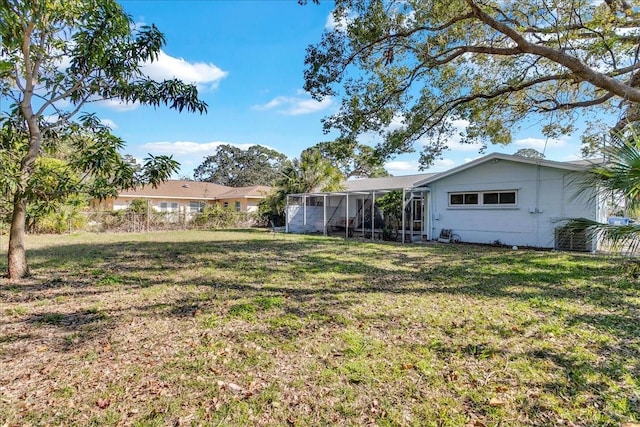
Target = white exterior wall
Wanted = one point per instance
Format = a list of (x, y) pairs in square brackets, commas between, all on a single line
[(544, 197), (252, 205)]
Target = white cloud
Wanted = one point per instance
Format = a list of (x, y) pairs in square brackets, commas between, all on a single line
[(109, 123), (341, 23), (117, 105), (188, 147), (295, 105), (167, 67), (442, 165), (401, 166), (540, 143), (408, 167), (188, 153)]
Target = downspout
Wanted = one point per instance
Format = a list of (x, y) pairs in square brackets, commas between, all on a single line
[(537, 208)]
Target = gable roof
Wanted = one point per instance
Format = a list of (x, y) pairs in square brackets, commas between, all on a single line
[(389, 183), (571, 166), (180, 189)]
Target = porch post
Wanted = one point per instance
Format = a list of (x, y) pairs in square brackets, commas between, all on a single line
[(286, 215), (404, 215), (427, 215), (362, 216), (373, 216), (304, 214), (346, 217), (324, 215)]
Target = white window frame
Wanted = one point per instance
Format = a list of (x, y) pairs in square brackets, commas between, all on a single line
[(480, 196), (196, 207), (168, 206)]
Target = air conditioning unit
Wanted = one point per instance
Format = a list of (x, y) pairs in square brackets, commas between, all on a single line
[(567, 239)]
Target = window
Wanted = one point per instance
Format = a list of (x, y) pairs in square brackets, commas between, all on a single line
[(463, 199), (237, 206), (479, 198), (196, 207), (499, 198), (168, 207), (225, 204)]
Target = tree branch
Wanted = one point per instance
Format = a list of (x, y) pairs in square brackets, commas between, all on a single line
[(579, 69)]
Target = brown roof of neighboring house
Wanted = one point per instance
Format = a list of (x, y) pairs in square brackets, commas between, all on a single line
[(178, 189), (239, 192)]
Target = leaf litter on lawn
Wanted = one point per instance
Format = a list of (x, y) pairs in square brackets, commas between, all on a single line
[(241, 329)]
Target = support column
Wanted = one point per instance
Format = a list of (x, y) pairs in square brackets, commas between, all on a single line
[(346, 217), (362, 216), (324, 215), (304, 214), (286, 215), (373, 216), (404, 213)]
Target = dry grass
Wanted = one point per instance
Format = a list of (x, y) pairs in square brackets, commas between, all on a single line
[(244, 328)]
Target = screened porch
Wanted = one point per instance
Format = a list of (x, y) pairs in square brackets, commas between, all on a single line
[(358, 214)]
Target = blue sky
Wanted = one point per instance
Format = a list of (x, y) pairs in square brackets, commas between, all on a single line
[(247, 58)]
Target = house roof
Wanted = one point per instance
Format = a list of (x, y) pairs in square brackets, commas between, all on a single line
[(413, 181), (385, 183), (496, 157), (254, 191), (179, 189), (382, 184)]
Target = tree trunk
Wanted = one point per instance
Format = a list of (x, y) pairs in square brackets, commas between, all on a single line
[(17, 256)]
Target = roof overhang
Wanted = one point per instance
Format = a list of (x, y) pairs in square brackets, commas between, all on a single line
[(357, 192)]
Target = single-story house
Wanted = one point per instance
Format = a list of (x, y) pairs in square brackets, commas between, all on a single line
[(496, 199), (189, 197)]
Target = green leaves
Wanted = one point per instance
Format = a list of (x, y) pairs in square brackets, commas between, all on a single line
[(235, 167), (492, 64), (157, 169), (70, 52), (616, 182)]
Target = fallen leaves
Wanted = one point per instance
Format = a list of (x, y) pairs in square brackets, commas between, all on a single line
[(103, 403), (495, 402)]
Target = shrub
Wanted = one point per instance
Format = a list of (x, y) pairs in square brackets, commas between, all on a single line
[(216, 216)]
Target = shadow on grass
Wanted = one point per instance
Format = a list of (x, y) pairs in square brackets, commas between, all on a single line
[(325, 275)]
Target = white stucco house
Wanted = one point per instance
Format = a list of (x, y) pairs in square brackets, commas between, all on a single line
[(496, 199)]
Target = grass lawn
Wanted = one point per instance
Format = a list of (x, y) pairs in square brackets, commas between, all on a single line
[(248, 328)]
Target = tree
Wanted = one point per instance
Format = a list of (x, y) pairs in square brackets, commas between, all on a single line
[(618, 181), (416, 70), (236, 167), (311, 172), (56, 56), (531, 153), (353, 159)]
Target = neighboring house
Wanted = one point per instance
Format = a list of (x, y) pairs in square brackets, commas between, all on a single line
[(190, 197), (498, 198)]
